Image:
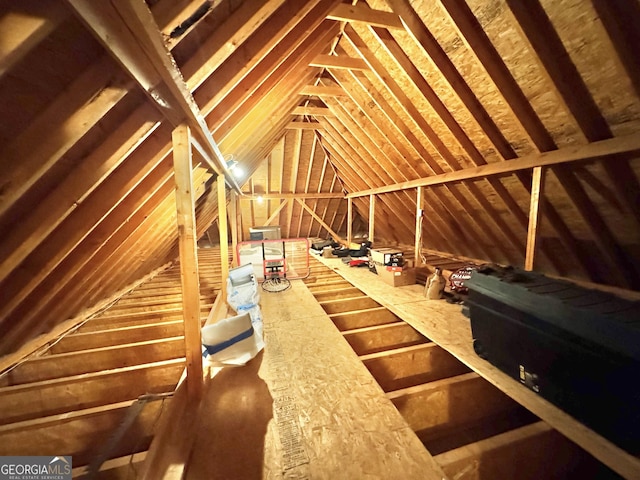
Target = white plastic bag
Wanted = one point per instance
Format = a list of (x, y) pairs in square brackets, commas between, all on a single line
[(243, 295), (232, 341)]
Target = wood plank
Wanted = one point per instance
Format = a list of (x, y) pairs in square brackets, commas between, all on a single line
[(118, 336), (75, 432), (339, 62), (322, 91), (303, 125), (436, 408), (348, 304), (61, 365), (187, 240), (312, 111), (543, 450), (535, 216), (52, 397), (380, 338), (348, 292), (362, 318), (372, 217), (445, 325), (413, 365), (362, 13), (605, 148)]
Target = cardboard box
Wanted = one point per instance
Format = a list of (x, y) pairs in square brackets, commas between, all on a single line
[(383, 255), (397, 278)]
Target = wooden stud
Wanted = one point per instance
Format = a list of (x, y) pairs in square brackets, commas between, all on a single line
[(417, 253), (188, 258), (223, 230), (372, 216), (349, 220), (233, 209), (535, 215)]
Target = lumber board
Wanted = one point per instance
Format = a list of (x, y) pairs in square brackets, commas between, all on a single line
[(335, 294), (413, 365), (530, 452), (75, 432), (118, 336), (348, 304), (52, 397), (362, 318), (446, 326), (49, 367), (443, 405), (372, 339)]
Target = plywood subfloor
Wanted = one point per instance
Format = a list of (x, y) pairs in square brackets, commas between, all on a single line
[(305, 408), (445, 325)]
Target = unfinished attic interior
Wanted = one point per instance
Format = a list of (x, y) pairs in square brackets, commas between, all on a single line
[(145, 144)]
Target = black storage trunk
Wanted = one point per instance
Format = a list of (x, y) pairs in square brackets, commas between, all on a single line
[(577, 348)]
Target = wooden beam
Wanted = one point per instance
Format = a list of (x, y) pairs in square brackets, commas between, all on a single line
[(349, 220), (604, 148), (372, 216), (417, 253), (322, 91), (49, 367), (535, 215), (362, 13), (187, 241), (501, 456), (224, 236), (470, 396), (312, 111), (303, 126), (95, 389), (338, 62), (381, 338), (336, 237), (410, 365), (127, 29), (233, 206), (277, 196), (277, 211)]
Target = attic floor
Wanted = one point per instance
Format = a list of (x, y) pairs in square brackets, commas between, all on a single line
[(305, 408)]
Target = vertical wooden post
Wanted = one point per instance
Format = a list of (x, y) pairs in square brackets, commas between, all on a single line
[(372, 216), (535, 215), (233, 217), (188, 258), (224, 238), (349, 220), (418, 242)]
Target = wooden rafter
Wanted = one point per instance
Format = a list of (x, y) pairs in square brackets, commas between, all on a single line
[(338, 62), (361, 13), (129, 32), (605, 148)]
